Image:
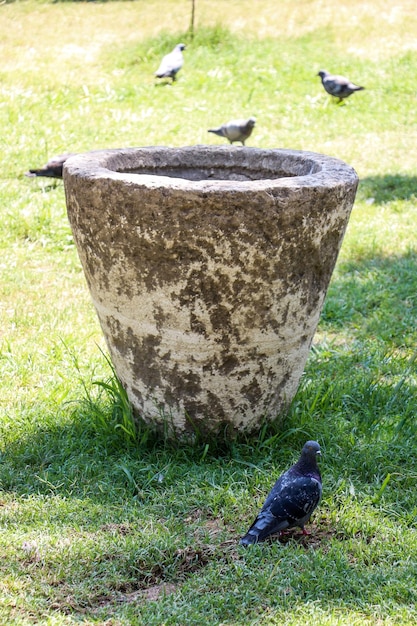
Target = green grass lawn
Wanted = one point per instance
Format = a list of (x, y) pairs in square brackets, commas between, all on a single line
[(99, 527)]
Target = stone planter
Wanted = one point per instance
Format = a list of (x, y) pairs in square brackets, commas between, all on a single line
[(208, 268)]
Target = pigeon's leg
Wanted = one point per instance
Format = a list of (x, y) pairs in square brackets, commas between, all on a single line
[(305, 532)]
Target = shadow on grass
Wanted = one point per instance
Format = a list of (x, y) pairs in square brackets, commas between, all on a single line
[(356, 397), (376, 297), (388, 188), (361, 386), (131, 520)]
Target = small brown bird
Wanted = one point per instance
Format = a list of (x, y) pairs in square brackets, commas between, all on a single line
[(53, 169), (235, 130), (338, 86)]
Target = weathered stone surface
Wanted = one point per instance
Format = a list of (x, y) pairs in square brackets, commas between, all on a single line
[(208, 267)]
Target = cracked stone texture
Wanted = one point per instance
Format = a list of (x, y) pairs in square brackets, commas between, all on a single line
[(208, 267)]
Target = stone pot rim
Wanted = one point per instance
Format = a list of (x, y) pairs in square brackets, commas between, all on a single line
[(124, 165)]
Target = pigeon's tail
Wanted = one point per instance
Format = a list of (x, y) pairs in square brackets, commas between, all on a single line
[(249, 539), (265, 524), (217, 131), (48, 172), (356, 88)]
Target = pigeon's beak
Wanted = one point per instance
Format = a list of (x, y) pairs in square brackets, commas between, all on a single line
[(318, 452)]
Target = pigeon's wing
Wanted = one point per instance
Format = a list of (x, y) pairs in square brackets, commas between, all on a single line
[(163, 68), (336, 84), (296, 500), (57, 163), (170, 64), (276, 489), (234, 130)]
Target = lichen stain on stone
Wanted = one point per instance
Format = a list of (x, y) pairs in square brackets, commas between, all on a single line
[(178, 383), (225, 365), (252, 391)]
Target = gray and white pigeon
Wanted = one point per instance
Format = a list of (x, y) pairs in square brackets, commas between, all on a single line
[(291, 500), (53, 169), (338, 86), (171, 63), (235, 130)]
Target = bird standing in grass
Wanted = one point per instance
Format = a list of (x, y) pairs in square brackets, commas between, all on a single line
[(171, 63), (291, 500), (53, 169), (235, 130), (338, 86)]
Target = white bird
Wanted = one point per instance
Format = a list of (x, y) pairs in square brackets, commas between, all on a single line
[(235, 130), (171, 63)]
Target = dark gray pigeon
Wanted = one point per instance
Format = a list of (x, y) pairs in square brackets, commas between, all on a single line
[(53, 169), (171, 63), (338, 86), (235, 130), (291, 500)]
